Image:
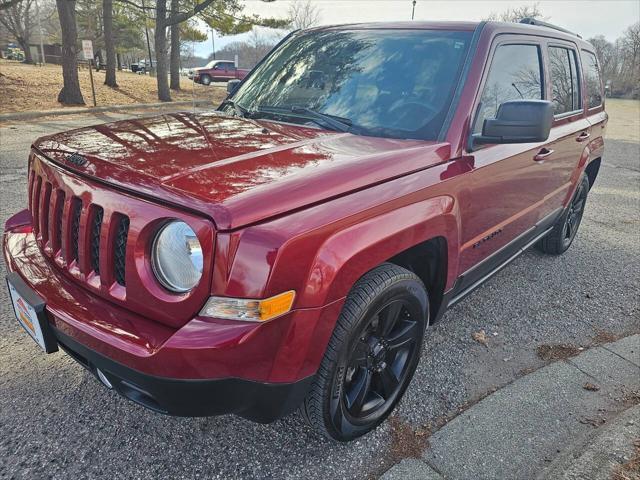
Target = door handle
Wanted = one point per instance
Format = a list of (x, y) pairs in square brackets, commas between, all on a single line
[(542, 154), (583, 136)]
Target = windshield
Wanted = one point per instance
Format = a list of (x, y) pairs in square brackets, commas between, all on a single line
[(388, 83)]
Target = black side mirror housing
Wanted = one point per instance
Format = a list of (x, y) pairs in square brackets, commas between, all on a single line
[(232, 86), (518, 121)]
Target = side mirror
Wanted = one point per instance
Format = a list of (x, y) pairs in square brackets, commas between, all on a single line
[(518, 121), (232, 85)]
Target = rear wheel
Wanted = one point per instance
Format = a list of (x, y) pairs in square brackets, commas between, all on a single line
[(372, 354), (564, 231)]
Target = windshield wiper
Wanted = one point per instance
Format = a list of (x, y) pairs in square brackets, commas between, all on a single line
[(239, 110), (324, 120)]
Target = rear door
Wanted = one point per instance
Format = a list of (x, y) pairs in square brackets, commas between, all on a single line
[(571, 131)]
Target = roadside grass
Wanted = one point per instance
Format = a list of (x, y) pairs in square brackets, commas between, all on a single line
[(630, 470), (624, 119), (29, 87)]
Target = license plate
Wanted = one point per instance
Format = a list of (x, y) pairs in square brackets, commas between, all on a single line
[(29, 310)]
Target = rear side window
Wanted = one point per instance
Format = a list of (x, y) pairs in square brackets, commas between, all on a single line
[(565, 84), (515, 74), (592, 79)]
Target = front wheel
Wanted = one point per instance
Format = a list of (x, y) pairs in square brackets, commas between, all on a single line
[(372, 354), (564, 231), (205, 79)]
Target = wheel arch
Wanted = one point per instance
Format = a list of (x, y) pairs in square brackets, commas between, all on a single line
[(428, 260), (592, 169), (425, 231)]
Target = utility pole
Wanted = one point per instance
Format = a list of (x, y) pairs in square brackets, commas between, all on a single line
[(213, 42), (44, 62), (146, 32), (413, 11)]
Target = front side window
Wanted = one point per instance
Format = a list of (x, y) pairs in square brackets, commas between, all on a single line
[(565, 86), (386, 83), (515, 74), (592, 79)]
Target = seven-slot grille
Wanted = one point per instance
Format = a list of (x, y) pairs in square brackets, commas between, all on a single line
[(57, 217)]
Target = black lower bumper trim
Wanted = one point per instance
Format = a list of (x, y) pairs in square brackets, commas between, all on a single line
[(259, 402)]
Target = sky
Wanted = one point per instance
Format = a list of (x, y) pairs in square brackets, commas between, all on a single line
[(587, 17)]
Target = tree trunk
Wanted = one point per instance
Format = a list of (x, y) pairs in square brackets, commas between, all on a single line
[(119, 61), (160, 35), (24, 45), (70, 93), (109, 44), (174, 63)]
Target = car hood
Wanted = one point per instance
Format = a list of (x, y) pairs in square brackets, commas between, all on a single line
[(236, 171)]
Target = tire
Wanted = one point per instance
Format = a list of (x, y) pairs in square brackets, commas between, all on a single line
[(371, 356), (205, 80), (564, 231)]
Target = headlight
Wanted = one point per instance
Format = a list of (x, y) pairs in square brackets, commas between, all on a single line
[(177, 257)]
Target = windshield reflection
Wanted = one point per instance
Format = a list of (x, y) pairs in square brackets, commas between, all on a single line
[(389, 83)]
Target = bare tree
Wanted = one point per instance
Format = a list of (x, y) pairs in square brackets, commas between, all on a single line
[(515, 14), (9, 4), (17, 20), (109, 43), (303, 14), (174, 60), (70, 93), (607, 54)]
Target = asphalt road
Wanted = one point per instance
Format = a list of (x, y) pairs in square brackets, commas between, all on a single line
[(57, 421)]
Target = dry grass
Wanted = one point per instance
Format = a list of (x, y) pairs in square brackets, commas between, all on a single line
[(629, 470), (27, 87), (624, 119), (557, 352)]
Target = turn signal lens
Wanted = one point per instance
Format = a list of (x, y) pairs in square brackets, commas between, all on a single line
[(249, 310)]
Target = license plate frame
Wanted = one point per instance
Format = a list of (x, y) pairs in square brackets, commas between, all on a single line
[(29, 309)]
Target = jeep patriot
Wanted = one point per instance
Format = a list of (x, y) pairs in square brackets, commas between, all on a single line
[(289, 249)]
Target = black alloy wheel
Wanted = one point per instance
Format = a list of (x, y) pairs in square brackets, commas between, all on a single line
[(372, 354), (574, 215), (564, 231), (380, 359)]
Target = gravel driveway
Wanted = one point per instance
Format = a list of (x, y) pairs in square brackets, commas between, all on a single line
[(57, 421)]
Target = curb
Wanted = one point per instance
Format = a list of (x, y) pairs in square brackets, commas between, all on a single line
[(107, 108), (611, 446), (527, 427)]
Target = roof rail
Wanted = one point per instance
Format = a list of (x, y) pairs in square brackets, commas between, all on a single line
[(540, 23)]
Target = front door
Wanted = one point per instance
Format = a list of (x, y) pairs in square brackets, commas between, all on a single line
[(506, 197)]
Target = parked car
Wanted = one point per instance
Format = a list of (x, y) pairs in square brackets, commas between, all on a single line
[(140, 68), (218, 71), (290, 248)]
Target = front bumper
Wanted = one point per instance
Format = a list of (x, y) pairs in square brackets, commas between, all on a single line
[(260, 402), (206, 367)]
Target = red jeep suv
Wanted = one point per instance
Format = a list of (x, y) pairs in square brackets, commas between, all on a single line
[(290, 248)]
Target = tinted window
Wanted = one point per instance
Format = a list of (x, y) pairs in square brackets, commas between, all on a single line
[(514, 74), (565, 86), (388, 83), (592, 79)]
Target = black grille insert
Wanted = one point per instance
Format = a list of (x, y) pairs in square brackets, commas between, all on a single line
[(94, 241), (58, 216), (76, 210), (120, 249)]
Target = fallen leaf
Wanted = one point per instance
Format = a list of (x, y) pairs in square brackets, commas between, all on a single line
[(591, 387), (594, 422), (480, 337)]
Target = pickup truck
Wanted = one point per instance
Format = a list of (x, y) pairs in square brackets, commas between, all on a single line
[(218, 71), (290, 248)]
